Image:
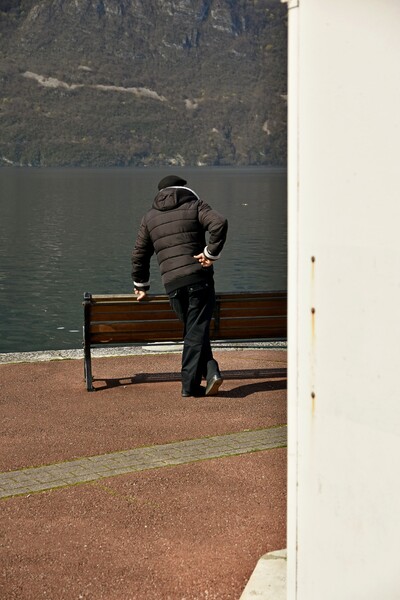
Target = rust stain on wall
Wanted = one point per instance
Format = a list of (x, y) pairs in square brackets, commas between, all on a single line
[(313, 335)]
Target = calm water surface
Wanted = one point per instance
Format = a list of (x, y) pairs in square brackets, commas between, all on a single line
[(67, 231)]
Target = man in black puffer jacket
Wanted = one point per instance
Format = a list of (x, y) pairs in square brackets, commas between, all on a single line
[(175, 229)]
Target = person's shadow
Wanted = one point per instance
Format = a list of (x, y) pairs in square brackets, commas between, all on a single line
[(252, 388)]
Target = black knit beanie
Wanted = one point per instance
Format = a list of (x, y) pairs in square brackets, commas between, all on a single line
[(171, 180)]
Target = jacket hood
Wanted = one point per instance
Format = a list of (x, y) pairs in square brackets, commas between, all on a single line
[(171, 197)]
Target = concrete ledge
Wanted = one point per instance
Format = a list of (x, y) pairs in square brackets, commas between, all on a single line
[(151, 348), (268, 581)]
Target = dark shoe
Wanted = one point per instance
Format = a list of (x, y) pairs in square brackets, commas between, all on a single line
[(213, 384), (199, 393)]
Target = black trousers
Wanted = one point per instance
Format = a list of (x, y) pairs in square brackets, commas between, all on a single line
[(194, 305)]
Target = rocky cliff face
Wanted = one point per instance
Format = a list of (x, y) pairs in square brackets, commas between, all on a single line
[(143, 82)]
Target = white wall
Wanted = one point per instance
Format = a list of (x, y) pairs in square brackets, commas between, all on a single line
[(344, 360)]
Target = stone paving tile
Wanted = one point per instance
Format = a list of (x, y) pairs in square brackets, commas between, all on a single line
[(90, 468)]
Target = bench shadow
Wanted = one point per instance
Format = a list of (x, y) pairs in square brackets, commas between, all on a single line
[(239, 392)]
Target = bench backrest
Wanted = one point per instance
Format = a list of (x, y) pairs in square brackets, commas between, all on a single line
[(122, 319)]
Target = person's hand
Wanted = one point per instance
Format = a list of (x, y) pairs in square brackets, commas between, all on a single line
[(141, 294), (203, 260)]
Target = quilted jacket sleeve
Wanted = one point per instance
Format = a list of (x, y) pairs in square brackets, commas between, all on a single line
[(217, 227), (141, 256)]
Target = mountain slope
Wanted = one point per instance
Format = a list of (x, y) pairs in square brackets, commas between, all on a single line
[(143, 82)]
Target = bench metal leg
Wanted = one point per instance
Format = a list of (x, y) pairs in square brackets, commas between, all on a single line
[(86, 342), (88, 370)]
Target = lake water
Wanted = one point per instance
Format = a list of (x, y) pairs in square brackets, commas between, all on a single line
[(67, 231)]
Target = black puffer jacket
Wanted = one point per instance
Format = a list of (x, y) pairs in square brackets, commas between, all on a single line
[(175, 228)]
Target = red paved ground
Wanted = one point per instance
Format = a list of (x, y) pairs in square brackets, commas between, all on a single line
[(189, 532)]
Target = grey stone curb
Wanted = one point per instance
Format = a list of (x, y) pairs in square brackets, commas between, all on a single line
[(166, 347), (37, 479)]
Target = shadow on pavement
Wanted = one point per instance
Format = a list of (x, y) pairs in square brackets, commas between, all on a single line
[(173, 376)]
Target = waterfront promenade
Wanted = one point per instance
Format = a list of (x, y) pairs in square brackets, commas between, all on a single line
[(133, 492)]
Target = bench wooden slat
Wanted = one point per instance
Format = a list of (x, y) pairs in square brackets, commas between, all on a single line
[(249, 312), (125, 338), (137, 327), (239, 296), (110, 298), (164, 311), (226, 296), (261, 328), (130, 313), (258, 325)]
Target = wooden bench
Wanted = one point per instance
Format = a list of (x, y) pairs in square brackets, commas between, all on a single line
[(114, 320)]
